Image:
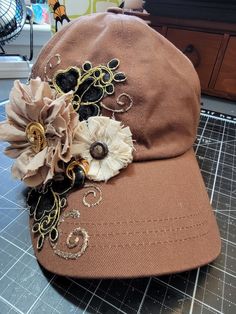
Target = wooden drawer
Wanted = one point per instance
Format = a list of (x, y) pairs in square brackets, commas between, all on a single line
[(226, 80), (200, 48)]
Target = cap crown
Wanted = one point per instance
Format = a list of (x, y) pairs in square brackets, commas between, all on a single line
[(161, 81)]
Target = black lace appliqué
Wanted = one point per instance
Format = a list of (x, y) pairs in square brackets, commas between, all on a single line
[(89, 84), (46, 205)]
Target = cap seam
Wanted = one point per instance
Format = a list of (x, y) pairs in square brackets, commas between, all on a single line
[(150, 231), (164, 230), (135, 221), (149, 243)]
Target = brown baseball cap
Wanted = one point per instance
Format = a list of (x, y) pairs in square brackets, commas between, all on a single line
[(154, 217)]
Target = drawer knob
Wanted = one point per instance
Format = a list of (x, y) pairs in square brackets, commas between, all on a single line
[(195, 55)]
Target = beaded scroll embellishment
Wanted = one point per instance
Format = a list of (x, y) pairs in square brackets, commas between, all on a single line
[(89, 86), (77, 240), (46, 206)]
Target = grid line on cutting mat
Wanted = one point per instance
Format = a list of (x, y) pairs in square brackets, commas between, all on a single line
[(27, 288)]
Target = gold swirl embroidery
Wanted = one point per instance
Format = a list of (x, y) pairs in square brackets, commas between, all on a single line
[(58, 61), (74, 238), (36, 136), (123, 100), (78, 237), (93, 191)]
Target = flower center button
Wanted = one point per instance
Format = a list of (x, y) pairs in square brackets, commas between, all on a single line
[(36, 136), (98, 150)]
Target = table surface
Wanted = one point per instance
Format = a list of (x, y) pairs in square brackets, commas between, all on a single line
[(27, 288)]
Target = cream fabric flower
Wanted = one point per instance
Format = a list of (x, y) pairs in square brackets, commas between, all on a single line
[(105, 144), (36, 105)]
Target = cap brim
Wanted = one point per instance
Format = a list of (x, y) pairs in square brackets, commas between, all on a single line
[(154, 218)]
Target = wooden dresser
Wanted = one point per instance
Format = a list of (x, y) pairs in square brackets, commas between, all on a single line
[(209, 44)]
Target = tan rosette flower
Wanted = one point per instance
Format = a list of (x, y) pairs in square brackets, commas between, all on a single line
[(39, 129), (105, 144)]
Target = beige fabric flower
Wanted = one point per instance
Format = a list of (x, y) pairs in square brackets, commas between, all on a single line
[(105, 144), (31, 107)]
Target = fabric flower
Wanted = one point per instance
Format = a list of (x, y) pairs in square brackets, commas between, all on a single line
[(105, 144), (40, 129)]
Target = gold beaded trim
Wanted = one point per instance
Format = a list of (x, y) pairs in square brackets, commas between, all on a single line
[(95, 191), (51, 65), (73, 239)]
